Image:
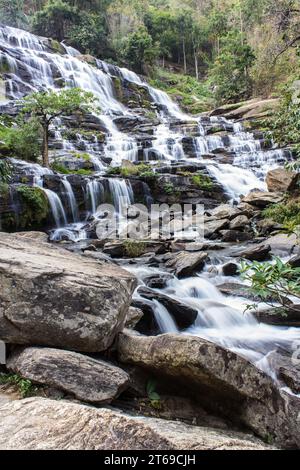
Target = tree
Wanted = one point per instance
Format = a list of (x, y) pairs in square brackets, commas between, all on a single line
[(230, 71), (49, 105), (139, 50), (55, 19), (90, 35), (12, 13)]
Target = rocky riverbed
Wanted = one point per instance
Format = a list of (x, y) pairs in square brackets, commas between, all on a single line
[(117, 344)]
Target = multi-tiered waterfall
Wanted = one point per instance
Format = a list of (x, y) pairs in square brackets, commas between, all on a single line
[(31, 63)]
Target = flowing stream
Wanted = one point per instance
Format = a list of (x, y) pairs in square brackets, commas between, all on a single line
[(31, 64)]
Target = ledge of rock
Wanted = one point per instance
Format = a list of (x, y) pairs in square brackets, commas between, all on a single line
[(186, 264), (40, 424), (244, 392), (262, 199), (52, 297), (88, 379)]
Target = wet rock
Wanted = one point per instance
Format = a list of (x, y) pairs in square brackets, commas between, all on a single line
[(233, 236), (262, 199), (295, 262), (257, 253), (281, 180), (186, 264), (88, 379), (35, 277), (236, 290), (157, 281), (239, 223), (230, 269), (40, 424), (225, 211), (278, 316), (213, 227), (148, 324), (134, 316), (183, 315), (221, 379)]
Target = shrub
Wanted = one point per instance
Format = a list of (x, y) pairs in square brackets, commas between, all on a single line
[(35, 206), (21, 140)]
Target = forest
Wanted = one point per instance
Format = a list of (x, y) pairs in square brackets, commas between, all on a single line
[(218, 51)]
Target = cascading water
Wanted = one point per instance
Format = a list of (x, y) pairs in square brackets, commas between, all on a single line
[(32, 65), (71, 199)]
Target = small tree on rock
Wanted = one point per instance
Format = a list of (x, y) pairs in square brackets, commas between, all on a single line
[(49, 105)]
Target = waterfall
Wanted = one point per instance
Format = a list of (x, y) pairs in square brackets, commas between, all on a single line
[(71, 199), (121, 192), (34, 66), (57, 208), (95, 192)]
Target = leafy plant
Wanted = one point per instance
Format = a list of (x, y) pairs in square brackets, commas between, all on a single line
[(287, 214), (273, 280), (21, 140), (25, 387), (5, 170), (153, 396), (202, 182)]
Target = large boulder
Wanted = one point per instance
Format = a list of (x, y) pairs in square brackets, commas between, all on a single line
[(257, 253), (88, 379), (186, 264), (52, 297), (219, 378), (262, 199), (281, 180), (40, 424)]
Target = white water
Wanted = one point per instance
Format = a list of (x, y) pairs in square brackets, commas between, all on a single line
[(71, 199), (221, 319)]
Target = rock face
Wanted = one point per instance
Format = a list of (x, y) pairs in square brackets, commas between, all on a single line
[(88, 379), (232, 383), (56, 298), (39, 424), (257, 253), (261, 199), (281, 180), (186, 264)]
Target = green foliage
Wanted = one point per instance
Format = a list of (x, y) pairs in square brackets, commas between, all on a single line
[(287, 214), (193, 96), (21, 140), (202, 182), (142, 170), (153, 396), (12, 13), (55, 19), (35, 206), (59, 168), (139, 50), (5, 171), (25, 387), (169, 188), (90, 34), (134, 249), (229, 74), (284, 126), (273, 280), (48, 105)]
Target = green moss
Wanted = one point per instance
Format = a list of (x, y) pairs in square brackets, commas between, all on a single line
[(58, 168), (141, 170), (4, 190), (35, 207), (134, 249), (202, 182), (57, 47)]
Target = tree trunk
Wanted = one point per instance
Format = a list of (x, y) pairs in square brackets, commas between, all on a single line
[(196, 64), (184, 55), (45, 148)]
